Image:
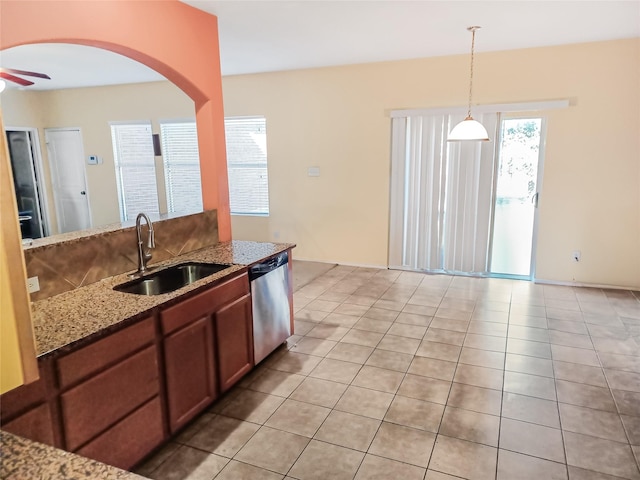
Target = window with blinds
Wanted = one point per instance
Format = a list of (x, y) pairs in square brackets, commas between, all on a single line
[(181, 166), (246, 139), (135, 169)]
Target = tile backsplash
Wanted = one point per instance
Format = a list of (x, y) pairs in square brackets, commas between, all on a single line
[(77, 262)]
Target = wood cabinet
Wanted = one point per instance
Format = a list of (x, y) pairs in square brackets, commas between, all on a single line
[(95, 405), (120, 397), (190, 371), (35, 424), (131, 439), (208, 347), (233, 328), (29, 410), (109, 392), (86, 361)]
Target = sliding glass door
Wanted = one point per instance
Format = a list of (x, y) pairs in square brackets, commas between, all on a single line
[(521, 145), (465, 207)]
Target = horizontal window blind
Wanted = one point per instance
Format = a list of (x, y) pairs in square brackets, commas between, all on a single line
[(246, 139), (181, 166), (135, 169)]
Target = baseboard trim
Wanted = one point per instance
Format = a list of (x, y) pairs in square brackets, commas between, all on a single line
[(541, 281), (345, 264), (583, 285)]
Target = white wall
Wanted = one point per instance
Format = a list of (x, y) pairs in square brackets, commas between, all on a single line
[(337, 119)]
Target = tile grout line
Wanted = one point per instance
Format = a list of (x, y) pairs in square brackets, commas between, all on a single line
[(555, 389)]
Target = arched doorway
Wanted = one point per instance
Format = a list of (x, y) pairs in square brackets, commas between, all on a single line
[(178, 41)]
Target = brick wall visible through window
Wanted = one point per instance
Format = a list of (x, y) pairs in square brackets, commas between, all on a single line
[(246, 139), (135, 169), (181, 166)]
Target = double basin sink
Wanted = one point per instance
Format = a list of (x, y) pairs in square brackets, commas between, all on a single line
[(170, 279)]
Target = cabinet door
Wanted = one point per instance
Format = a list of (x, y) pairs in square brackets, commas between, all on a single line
[(234, 341), (190, 371)]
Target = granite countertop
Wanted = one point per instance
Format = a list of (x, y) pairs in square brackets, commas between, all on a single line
[(26, 459), (82, 314)]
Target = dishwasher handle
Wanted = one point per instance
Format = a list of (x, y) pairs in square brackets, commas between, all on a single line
[(260, 269)]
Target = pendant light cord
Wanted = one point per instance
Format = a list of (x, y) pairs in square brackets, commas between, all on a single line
[(473, 43)]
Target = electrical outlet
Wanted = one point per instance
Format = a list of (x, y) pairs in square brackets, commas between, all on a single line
[(576, 255), (33, 285)]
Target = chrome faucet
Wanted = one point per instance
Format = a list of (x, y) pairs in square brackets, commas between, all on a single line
[(144, 255)]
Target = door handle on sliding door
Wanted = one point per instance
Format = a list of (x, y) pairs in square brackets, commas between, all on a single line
[(534, 199)]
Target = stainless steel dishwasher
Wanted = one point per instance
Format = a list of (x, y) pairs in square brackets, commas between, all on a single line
[(270, 304)]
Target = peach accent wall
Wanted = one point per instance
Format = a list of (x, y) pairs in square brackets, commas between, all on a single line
[(178, 41)]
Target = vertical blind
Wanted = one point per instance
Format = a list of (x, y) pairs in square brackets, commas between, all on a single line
[(246, 139), (441, 196), (181, 166), (135, 169)]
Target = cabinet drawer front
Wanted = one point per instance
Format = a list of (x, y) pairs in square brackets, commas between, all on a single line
[(195, 307), (130, 440), (95, 357), (96, 404), (35, 425)]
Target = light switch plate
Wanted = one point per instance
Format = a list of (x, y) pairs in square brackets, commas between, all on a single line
[(313, 171)]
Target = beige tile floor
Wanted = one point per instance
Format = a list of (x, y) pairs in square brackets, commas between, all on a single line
[(409, 376)]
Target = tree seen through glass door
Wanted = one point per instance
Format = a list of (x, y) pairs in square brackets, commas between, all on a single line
[(516, 196)]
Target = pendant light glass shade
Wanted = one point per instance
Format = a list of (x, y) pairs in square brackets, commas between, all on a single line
[(468, 129)]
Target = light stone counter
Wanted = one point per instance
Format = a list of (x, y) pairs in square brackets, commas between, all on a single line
[(77, 316), (24, 459)]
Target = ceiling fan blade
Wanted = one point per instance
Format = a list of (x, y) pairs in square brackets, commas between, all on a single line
[(25, 72), (14, 79)]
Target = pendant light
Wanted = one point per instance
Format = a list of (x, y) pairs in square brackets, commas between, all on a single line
[(469, 129)]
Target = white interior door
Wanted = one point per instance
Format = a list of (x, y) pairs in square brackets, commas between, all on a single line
[(68, 178)]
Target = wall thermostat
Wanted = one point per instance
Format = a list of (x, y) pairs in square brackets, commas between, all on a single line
[(94, 160)]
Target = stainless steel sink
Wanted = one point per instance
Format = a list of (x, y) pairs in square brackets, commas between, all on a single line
[(170, 279)]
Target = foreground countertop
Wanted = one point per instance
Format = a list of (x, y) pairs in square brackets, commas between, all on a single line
[(63, 321), (26, 459)]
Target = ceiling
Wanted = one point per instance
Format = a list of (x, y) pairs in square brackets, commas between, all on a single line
[(273, 35)]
